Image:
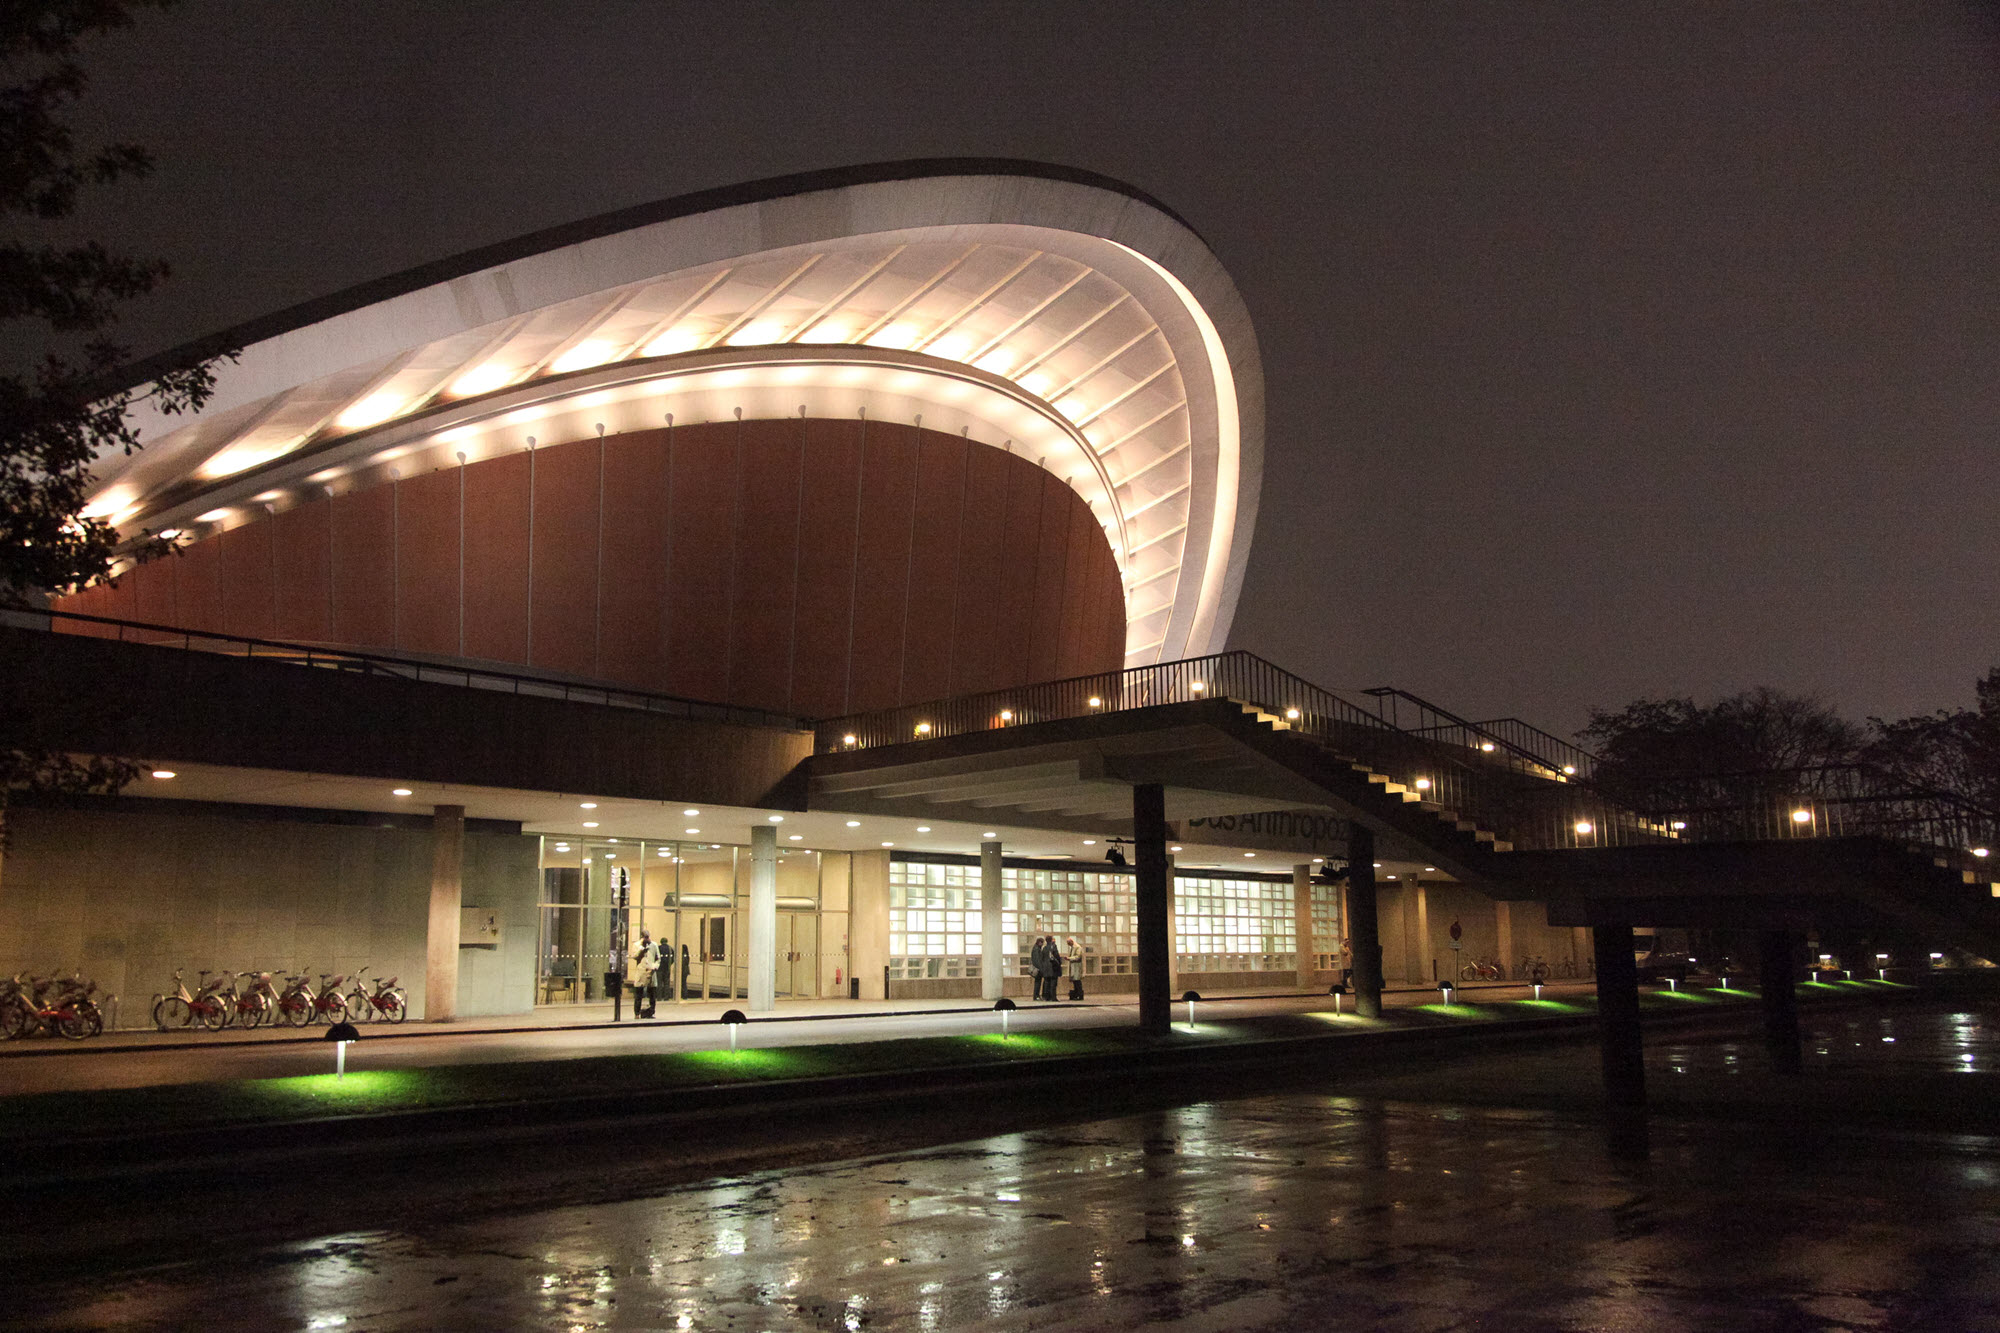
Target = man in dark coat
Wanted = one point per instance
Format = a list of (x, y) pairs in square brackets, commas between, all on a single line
[(1038, 959)]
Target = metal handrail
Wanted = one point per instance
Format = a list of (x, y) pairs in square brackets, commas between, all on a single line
[(464, 675), (1507, 736)]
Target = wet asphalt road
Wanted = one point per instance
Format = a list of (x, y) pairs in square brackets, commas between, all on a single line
[(1294, 1210)]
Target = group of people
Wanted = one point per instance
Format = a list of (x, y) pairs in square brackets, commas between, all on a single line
[(1048, 960), (647, 961)]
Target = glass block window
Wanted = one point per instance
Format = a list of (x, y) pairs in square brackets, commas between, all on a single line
[(1234, 925)]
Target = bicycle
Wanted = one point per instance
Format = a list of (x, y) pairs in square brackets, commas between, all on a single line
[(329, 1004), (386, 1002), (182, 1010), (258, 1005), (1481, 969), (299, 1003)]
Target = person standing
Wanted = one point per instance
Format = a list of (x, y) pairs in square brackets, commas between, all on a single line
[(1052, 966), (645, 971), (1073, 955), (1038, 962)]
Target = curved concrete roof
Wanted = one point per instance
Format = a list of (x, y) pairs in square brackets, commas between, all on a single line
[(1056, 314)]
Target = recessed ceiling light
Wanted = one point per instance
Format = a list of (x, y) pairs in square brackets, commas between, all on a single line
[(1173, 849), (163, 773), (588, 805), (777, 819), (694, 830), (400, 791), (798, 837), (888, 844), (1250, 854), (590, 823), (690, 813), (854, 823), (923, 828), (1090, 842), (989, 835)]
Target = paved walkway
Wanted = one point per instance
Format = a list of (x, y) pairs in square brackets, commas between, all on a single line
[(128, 1060)]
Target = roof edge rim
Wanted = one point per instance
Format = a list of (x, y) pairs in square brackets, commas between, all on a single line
[(434, 272)]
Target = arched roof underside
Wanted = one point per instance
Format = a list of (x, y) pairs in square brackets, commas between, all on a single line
[(1061, 317)]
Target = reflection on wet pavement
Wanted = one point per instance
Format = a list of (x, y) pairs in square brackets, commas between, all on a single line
[(1290, 1211)]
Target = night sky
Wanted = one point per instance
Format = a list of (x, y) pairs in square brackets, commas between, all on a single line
[(1609, 352)]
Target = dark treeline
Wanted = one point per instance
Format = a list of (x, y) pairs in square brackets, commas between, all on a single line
[(1676, 753)]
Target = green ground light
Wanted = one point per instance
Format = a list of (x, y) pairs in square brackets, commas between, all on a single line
[(1462, 1010), (1553, 1006), (751, 1062), (1695, 997)]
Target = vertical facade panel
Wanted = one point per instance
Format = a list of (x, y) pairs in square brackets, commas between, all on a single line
[(198, 587), (563, 630), (829, 525), (364, 568), (703, 477), (305, 572), (153, 590), (1051, 569), (427, 563), (496, 558), (978, 644), (249, 586), (1079, 603), (936, 518), (1021, 541), (882, 559), (632, 599), (766, 571)]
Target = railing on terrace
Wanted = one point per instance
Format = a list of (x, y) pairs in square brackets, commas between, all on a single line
[(1527, 805), (1501, 739), (401, 668)]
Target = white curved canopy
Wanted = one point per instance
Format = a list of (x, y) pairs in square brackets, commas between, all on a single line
[(1066, 320)]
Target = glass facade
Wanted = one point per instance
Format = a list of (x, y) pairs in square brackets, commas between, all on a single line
[(1222, 923), (692, 899)]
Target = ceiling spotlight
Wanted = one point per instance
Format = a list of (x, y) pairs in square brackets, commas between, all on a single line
[(1090, 842), (694, 830), (923, 828), (888, 844), (587, 805), (798, 837), (590, 823), (690, 813), (400, 791), (989, 835), (854, 823), (777, 819), (164, 773)]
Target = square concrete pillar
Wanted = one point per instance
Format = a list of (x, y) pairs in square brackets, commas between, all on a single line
[(992, 981), (447, 896), (762, 940), (1155, 923), (1302, 925)]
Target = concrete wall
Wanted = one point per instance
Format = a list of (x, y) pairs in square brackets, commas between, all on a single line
[(129, 897), (1416, 921)]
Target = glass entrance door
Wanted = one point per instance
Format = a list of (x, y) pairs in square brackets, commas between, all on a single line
[(798, 955)]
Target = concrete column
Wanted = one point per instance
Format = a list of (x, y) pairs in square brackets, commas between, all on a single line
[(447, 896), (1503, 936), (1155, 923), (762, 937), (868, 923), (992, 981), (1424, 967), (1174, 984), (1302, 925), (1364, 933), (1618, 1008), (1777, 957)]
